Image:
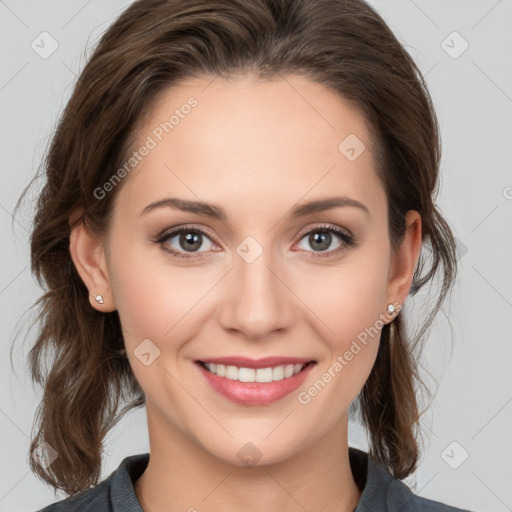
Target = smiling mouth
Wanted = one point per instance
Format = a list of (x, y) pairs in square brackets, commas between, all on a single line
[(244, 374)]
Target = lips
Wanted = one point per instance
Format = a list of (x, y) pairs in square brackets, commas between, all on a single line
[(255, 393)]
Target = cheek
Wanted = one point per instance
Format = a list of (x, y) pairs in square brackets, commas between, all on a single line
[(155, 299), (350, 305), (138, 299), (152, 302), (350, 298)]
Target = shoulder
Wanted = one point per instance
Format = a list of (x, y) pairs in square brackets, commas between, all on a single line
[(115, 494), (383, 493), (92, 500), (401, 498)]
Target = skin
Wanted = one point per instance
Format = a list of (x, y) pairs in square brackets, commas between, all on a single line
[(256, 149)]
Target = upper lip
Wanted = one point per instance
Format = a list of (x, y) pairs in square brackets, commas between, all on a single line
[(264, 362)]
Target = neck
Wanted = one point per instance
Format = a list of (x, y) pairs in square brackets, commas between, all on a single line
[(182, 476)]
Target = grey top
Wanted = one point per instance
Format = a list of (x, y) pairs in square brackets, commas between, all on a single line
[(381, 492)]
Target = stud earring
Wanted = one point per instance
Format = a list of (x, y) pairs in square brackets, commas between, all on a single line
[(391, 309), (99, 299)]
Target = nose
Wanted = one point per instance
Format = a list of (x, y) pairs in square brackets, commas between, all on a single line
[(257, 301)]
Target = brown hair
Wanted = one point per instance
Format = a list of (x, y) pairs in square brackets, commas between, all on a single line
[(342, 44)]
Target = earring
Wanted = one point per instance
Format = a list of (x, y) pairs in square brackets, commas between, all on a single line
[(99, 299), (391, 309)]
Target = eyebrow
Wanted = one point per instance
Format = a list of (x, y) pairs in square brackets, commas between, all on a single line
[(216, 212)]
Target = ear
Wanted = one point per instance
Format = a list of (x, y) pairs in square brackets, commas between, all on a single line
[(404, 261), (88, 255)]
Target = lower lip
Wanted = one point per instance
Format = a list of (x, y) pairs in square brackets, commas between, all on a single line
[(255, 393)]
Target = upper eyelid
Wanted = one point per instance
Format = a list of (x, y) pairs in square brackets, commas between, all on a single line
[(171, 232)]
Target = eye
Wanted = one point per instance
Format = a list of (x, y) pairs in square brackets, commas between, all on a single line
[(321, 239), (185, 240)]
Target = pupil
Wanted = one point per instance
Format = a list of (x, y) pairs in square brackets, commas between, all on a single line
[(321, 239), (191, 241)]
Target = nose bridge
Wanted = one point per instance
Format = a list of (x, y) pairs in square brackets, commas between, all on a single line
[(256, 302)]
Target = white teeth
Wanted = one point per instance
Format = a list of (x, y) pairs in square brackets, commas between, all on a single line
[(278, 373), (246, 374), (288, 371), (255, 375), (231, 372), (221, 370), (264, 375)]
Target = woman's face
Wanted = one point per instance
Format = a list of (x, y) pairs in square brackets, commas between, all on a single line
[(266, 279)]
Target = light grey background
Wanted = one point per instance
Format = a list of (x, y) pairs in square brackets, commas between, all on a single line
[(473, 97)]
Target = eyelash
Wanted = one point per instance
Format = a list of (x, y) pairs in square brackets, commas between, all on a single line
[(349, 240)]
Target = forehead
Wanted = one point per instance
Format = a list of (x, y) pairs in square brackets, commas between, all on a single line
[(280, 140)]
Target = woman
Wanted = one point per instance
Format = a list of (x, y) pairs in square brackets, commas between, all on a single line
[(207, 149)]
